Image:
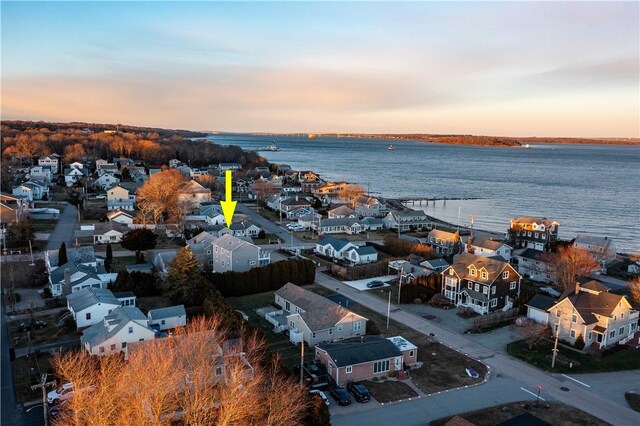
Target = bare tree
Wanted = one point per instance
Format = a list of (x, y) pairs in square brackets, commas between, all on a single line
[(568, 264), (263, 190), (160, 193), (196, 376), (533, 332), (351, 193), (634, 287)]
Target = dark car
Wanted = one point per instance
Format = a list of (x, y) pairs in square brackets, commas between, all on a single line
[(28, 325), (340, 394), (375, 284), (359, 392)]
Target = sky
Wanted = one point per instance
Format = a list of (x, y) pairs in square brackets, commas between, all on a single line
[(503, 68)]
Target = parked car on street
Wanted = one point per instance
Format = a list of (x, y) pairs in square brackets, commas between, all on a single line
[(28, 325), (359, 392), (321, 394), (340, 394), (57, 394), (375, 284)]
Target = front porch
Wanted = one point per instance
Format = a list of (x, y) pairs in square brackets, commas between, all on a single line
[(475, 300)]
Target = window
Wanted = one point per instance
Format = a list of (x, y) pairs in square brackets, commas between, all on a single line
[(313, 335), (381, 366), (163, 322), (612, 334), (101, 349), (472, 271), (529, 234), (411, 353), (494, 303), (124, 345), (505, 274), (622, 315), (451, 271), (88, 316), (348, 369), (512, 286), (287, 306), (493, 290), (632, 326), (113, 347), (484, 275), (357, 326), (574, 318), (141, 340), (621, 331), (130, 330), (208, 251), (590, 335), (477, 287), (253, 262), (558, 313), (218, 371), (536, 235), (470, 285), (572, 333), (330, 331), (485, 290)]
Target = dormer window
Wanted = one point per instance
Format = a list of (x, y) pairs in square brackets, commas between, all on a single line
[(505, 274), (451, 271), (472, 271), (484, 275)]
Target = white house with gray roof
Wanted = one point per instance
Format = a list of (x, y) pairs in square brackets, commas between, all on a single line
[(409, 220), (90, 305), (487, 247), (124, 325), (316, 319), (362, 254), (234, 254), (334, 248), (603, 249), (167, 318)]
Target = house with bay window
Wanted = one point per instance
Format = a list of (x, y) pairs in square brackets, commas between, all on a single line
[(315, 319), (481, 283)]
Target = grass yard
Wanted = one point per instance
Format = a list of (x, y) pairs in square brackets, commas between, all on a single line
[(633, 399), (26, 373), (268, 239), (389, 391), (625, 359), (556, 414), (44, 225), (121, 263), (23, 275), (50, 334), (152, 302)]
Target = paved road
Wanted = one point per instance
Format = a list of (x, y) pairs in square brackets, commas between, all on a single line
[(527, 376), (271, 227), (64, 229), (69, 343), (10, 411)]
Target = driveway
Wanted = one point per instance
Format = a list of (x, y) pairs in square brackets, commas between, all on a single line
[(527, 377), (362, 284), (64, 229)]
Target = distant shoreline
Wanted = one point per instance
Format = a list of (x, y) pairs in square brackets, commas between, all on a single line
[(497, 141)]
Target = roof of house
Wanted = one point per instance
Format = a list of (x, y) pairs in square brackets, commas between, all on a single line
[(487, 243), (320, 312), (372, 221), (104, 227), (336, 243), (592, 240), (541, 302), (171, 311), (593, 285), (444, 235), (91, 296), (494, 267), (536, 220), (587, 304), (533, 254), (435, 263), (117, 212), (364, 250), (360, 350), (476, 295), (201, 241), (124, 294), (411, 214), (57, 275), (342, 210), (139, 267), (112, 324), (293, 202), (342, 221), (74, 255), (230, 243), (524, 419)]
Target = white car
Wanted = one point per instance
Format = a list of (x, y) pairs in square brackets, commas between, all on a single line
[(60, 393), (323, 395)]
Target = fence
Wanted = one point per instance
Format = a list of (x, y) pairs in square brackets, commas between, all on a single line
[(491, 320)]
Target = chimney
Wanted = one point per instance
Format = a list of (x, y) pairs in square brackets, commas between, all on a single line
[(577, 288), (66, 288)]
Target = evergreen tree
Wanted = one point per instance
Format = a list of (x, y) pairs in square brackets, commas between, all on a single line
[(184, 283), (62, 254), (109, 258)]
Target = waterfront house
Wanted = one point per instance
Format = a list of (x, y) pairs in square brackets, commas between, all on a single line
[(444, 243), (341, 212), (315, 319), (488, 247), (483, 284), (366, 358), (371, 223), (124, 325), (536, 233), (603, 249), (338, 226), (331, 189), (308, 220), (410, 220), (436, 265), (534, 265), (366, 206), (407, 271), (361, 254), (589, 311)]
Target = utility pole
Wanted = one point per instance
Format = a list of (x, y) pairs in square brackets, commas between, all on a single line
[(43, 385), (301, 360), (388, 309), (555, 346), (31, 251), (400, 283)]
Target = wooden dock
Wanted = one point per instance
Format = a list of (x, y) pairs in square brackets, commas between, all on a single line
[(426, 200)]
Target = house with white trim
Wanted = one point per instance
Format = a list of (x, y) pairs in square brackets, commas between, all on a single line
[(90, 305), (167, 318), (488, 247)]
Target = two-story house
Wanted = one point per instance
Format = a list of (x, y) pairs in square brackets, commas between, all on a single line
[(52, 161), (90, 305), (42, 173), (234, 254), (603, 319), (105, 182), (120, 198), (603, 249), (73, 175), (366, 206), (534, 265), (444, 243), (410, 220), (315, 319), (481, 283), (488, 247), (124, 325), (536, 233)]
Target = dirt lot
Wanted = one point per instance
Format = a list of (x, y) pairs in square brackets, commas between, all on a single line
[(23, 275), (556, 414), (389, 391)]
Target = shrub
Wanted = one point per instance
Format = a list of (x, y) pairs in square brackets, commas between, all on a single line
[(579, 342), (372, 328)]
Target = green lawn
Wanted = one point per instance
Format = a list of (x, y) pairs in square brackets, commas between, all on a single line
[(625, 359), (121, 263)]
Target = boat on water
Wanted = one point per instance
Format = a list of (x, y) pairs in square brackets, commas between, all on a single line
[(391, 148), (273, 147), (526, 145)]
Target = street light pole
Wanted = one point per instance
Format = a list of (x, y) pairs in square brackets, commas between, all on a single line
[(400, 283)]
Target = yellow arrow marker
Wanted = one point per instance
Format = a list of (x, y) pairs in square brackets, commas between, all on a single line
[(228, 206)]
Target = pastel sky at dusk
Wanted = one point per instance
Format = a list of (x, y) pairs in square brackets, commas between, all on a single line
[(508, 68)]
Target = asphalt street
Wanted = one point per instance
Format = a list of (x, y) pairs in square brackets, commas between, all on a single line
[(64, 228)]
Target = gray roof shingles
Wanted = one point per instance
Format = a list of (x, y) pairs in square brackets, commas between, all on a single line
[(360, 351)]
